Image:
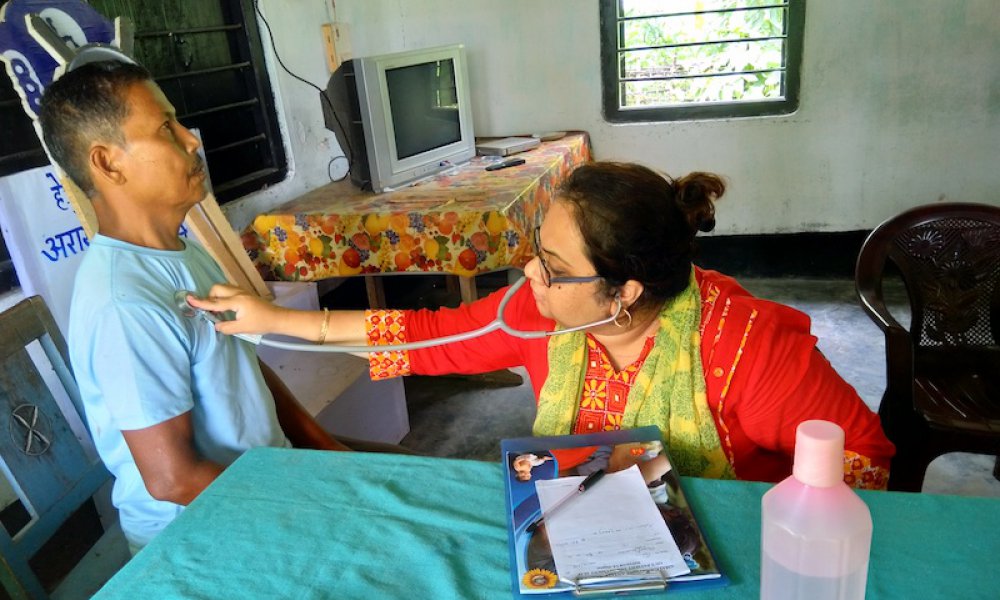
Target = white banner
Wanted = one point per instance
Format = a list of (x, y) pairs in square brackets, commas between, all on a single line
[(44, 237)]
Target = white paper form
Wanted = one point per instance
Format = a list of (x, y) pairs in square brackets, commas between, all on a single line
[(612, 530)]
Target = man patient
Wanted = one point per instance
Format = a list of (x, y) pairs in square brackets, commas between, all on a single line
[(170, 402)]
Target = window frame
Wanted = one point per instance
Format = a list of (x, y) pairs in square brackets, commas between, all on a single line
[(610, 84)]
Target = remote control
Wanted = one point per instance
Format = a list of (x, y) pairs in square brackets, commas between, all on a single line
[(510, 162)]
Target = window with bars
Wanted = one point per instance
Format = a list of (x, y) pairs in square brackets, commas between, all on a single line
[(19, 146), (19, 150), (665, 60), (207, 57)]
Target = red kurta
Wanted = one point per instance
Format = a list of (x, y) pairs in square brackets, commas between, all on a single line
[(763, 373)]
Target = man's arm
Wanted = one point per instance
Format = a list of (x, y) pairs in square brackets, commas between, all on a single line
[(170, 467), (299, 426), (173, 471)]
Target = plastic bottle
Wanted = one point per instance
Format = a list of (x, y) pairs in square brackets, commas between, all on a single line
[(816, 532)]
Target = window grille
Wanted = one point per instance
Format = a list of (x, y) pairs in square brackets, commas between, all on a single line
[(19, 150), (208, 59), (687, 59), (19, 146)]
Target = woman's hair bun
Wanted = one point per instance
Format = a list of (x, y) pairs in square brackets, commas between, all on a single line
[(696, 194), (706, 225)]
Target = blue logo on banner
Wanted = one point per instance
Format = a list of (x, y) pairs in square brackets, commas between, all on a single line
[(30, 67)]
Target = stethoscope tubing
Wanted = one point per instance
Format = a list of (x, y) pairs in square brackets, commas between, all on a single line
[(497, 323)]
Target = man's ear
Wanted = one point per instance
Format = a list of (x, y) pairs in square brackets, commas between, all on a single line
[(105, 164)]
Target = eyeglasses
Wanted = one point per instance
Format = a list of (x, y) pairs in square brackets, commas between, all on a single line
[(547, 278)]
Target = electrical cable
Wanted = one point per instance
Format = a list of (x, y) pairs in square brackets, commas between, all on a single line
[(330, 164), (349, 155)]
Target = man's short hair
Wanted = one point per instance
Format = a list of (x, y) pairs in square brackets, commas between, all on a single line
[(83, 106)]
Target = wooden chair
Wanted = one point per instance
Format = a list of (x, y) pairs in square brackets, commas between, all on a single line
[(943, 372), (46, 464)]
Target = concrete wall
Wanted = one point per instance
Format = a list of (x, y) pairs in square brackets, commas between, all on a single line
[(900, 103), (308, 145)]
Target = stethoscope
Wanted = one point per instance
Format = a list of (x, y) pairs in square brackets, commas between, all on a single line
[(496, 324)]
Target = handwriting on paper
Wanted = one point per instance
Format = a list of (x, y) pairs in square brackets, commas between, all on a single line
[(612, 530)]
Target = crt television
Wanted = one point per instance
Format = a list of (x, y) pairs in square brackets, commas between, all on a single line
[(402, 116)]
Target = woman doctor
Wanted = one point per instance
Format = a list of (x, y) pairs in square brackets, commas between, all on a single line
[(725, 376)]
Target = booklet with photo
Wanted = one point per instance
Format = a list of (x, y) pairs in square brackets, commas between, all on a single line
[(602, 545)]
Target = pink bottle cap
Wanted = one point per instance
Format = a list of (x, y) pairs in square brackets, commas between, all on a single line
[(819, 453)]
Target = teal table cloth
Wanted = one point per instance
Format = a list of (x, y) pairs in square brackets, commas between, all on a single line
[(304, 524)]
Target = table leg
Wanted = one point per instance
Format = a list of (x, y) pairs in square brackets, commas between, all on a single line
[(467, 285), (376, 292), (503, 377)]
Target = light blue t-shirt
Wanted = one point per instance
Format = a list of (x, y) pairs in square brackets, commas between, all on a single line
[(140, 361)]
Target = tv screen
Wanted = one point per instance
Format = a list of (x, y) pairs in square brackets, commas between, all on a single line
[(403, 116), (424, 105)]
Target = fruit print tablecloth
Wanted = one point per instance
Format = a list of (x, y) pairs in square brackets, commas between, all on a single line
[(464, 222)]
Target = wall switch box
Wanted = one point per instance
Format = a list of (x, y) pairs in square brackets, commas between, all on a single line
[(342, 41), (330, 47), (336, 43)]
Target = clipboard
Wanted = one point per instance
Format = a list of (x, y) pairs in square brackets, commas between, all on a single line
[(533, 571)]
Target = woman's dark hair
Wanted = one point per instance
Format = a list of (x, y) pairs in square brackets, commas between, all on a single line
[(85, 105), (638, 224)]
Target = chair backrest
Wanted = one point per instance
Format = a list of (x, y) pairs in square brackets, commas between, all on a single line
[(40, 454), (948, 256)]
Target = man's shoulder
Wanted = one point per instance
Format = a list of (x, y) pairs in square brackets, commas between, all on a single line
[(109, 276), (104, 262), (93, 281), (111, 283)]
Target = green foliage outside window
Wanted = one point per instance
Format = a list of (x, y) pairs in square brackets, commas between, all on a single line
[(680, 53)]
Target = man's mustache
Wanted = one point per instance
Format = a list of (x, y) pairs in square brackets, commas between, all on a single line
[(199, 166)]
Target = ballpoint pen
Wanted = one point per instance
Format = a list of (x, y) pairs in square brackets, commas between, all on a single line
[(585, 485)]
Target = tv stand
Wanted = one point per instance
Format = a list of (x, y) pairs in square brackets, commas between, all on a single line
[(465, 221)]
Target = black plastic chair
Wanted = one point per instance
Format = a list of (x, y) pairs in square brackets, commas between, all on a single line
[(943, 372)]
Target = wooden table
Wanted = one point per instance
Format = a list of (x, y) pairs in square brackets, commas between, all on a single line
[(464, 222), (285, 523)]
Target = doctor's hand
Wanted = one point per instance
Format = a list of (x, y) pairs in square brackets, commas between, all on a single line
[(251, 314)]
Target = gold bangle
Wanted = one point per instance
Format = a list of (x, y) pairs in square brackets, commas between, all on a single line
[(325, 327)]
